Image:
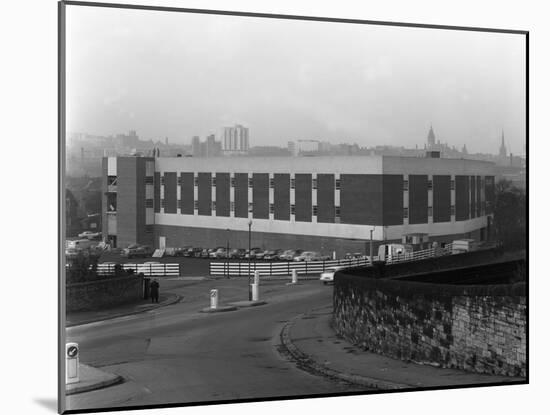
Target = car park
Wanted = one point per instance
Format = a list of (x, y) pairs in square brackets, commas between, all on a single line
[(355, 255), (327, 276)]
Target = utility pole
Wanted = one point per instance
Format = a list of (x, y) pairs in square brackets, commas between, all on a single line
[(249, 258)]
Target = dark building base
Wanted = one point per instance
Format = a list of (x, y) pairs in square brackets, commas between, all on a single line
[(177, 236)]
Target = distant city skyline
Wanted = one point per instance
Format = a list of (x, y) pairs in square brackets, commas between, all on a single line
[(181, 75)]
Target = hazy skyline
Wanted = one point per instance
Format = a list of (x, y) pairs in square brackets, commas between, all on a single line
[(177, 75)]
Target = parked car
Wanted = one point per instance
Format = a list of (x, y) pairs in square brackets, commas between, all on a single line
[(89, 235), (328, 275), (237, 253), (273, 254), (310, 256), (71, 253), (253, 253), (219, 253), (290, 254), (194, 252), (135, 250), (205, 253)]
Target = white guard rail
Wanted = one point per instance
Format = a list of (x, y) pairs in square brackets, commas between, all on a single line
[(241, 268), (149, 270)]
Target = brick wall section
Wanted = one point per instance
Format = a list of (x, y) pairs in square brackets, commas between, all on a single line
[(241, 195), (462, 190), (102, 294), (361, 199), (170, 192), (281, 196), (222, 194), (187, 193), (442, 198), (260, 195), (418, 198), (205, 194), (475, 328), (392, 202), (325, 198), (302, 200)]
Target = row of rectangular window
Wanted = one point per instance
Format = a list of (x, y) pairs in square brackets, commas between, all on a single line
[(337, 183), (314, 209), (149, 180), (483, 208)]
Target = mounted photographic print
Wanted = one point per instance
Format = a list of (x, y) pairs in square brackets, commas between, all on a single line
[(258, 207)]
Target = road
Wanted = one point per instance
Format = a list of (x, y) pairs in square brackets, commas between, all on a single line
[(176, 354)]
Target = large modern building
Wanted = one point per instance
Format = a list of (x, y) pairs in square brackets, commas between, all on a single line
[(315, 203), (235, 140)]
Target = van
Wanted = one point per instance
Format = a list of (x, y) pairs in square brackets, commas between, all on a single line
[(388, 252), (81, 244)]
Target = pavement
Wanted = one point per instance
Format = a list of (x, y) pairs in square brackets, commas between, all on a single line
[(311, 343), (84, 317)]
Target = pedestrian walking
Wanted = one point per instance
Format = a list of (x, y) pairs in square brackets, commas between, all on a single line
[(155, 291)]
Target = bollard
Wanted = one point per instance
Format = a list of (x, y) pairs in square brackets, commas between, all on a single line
[(213, 299), (294, 276), (257, 277), (255, 292), (71, 363)]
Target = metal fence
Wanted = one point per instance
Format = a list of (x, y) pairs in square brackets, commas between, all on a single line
[(149, 270), (419, 255), (242, 268)]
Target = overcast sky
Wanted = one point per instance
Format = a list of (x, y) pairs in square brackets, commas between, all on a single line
[(177, 75)]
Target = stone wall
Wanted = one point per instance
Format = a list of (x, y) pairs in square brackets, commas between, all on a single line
[(104, 293), (475, 328)]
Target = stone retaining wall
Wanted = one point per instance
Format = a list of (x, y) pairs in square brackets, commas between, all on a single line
[(104, 293), (475, 328)]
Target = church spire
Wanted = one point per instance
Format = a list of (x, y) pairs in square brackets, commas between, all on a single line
[(502, 152), (431, 138)]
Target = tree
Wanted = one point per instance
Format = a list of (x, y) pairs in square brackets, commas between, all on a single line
[(510, 216)]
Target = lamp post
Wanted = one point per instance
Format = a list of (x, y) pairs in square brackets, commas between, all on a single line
[(227, 253), (249, 257), (371, 248)]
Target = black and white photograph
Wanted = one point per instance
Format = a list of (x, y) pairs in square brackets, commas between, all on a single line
[(259, 207)]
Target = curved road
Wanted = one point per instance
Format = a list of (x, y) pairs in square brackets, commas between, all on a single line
[(177, 354)]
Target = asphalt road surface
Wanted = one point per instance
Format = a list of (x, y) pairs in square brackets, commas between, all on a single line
[(176, 354)]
